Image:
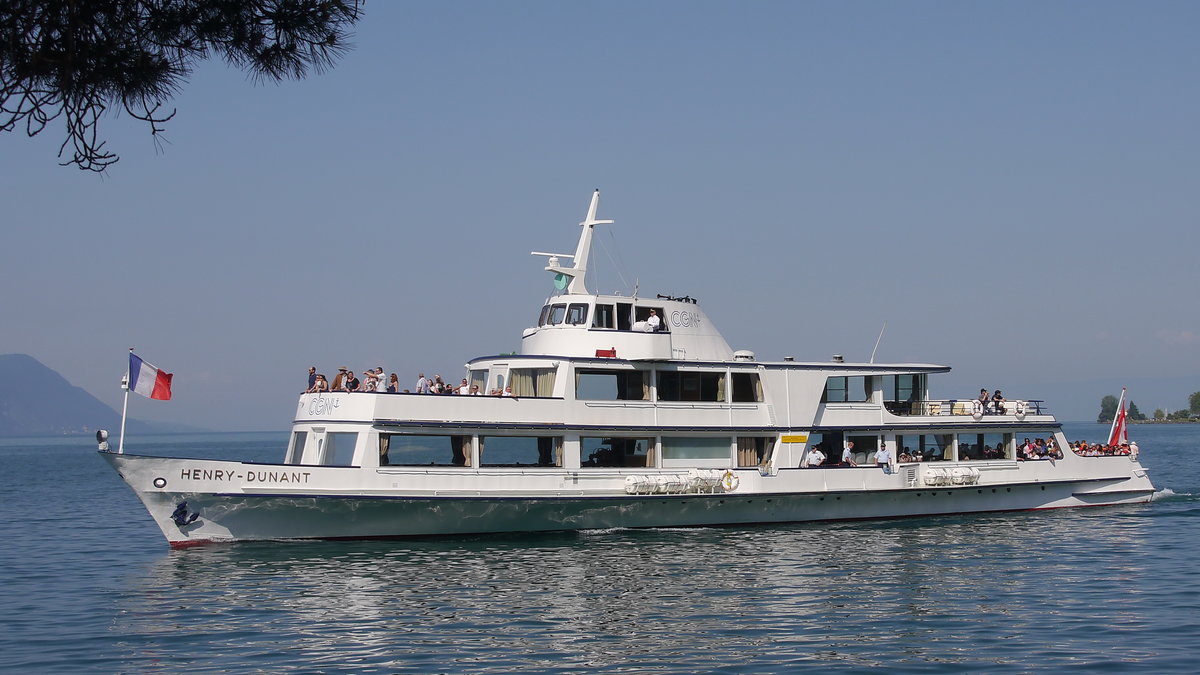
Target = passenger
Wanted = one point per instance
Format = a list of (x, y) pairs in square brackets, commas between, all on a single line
[(339, 379), (438, 385), (998, 403), (370, 381), (312, 377), (475, 390), (815, 457), (983, 401), (464, 388), (653, 323), (905, 457), (422, 384), (1040, 448), (848, 454), (351, 382), (393, 384), (319, 385), (507, 391)]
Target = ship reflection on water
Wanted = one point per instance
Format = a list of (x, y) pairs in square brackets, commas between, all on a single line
[(966, 590)]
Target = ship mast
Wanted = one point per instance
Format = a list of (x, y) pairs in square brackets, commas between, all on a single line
[(571, 279)]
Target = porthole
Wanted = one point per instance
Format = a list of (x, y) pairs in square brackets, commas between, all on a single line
[(160, 482)]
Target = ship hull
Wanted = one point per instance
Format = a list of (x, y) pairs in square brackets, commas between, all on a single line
[(314, 512)]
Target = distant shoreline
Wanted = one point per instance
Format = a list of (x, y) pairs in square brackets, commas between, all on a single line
[(1164, 421)]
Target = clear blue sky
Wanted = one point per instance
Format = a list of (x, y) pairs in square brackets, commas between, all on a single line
[(1012, 186)]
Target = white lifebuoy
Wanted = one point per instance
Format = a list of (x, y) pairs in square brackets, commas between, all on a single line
[(730, 481), (976, 408), (1020, 410)]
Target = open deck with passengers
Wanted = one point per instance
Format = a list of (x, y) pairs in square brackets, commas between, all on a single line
[(625, 411)]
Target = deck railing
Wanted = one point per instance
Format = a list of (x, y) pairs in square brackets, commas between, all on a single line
[(966, 407)]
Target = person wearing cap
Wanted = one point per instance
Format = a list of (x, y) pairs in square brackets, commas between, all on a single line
[(883, 458), (653, 323), (815, 457), (338, 379)]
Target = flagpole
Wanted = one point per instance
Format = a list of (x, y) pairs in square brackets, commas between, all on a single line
[(1117, 415), (124, 406)]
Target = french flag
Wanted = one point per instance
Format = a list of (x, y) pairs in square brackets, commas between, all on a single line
[(147, 380)]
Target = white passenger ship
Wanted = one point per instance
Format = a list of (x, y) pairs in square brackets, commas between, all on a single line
[(614, 423)]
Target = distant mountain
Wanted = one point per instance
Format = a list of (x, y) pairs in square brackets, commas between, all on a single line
[(40, 402)]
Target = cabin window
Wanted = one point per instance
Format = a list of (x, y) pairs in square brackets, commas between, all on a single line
[(479, 379), (747, 388), (577, 314), (339, 448), (557, 312), (296, 450), (544, 316), (532, 381), (422, 450), (905, 387), (754, 450), (925, 447), (695, 450), (604, 317), (689, 385), (855, 389), (973, 447), (616, 452), (611, 385), (514, 451)]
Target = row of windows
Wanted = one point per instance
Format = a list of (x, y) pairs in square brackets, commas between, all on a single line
[(858, 389), (619, 316), (337, 449), (673, 385)]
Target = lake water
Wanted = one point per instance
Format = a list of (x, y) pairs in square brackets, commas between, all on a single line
[(90, 586)]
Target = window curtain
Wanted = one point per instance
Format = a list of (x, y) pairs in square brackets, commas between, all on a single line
[(747, 451), (479, 379), (384, 442), (522, 382), (721, 388), (545, 382)]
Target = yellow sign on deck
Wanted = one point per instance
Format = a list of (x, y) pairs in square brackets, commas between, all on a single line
[(795, 438)]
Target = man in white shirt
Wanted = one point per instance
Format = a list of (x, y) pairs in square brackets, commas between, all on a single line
[(848, 454), (653, 323), (815, 457), (883, 458)]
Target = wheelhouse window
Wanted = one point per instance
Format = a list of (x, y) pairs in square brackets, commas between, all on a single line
[(616, 452), (747, 388), (604, 316), (689, 385), (424, 450), (925, 447), (642, 313), (296, 450), (339, 448), (544, 316), (855, 389), (984, 446), (532, 381), (520, 451), (611, 385), (577, 313), (557, 313)]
